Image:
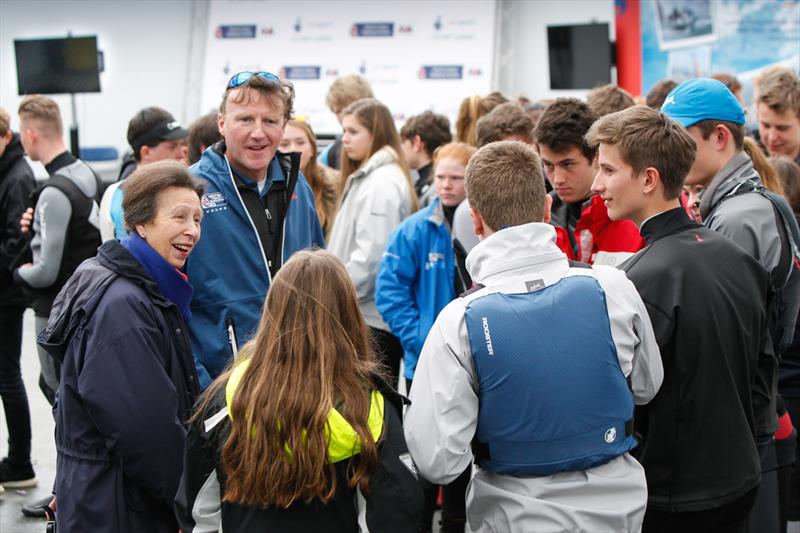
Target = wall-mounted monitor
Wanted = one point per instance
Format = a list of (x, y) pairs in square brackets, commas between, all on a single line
[(580, 56), (58, 66)]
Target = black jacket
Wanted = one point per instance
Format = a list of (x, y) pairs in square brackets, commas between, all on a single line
[(707, 301), (128, 383), (16, 185), (393, 504)]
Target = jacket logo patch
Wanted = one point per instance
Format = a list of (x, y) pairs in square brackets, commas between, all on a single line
[(534, 285), (214, 201), (408, 462), (611, 435), (487, 335), (434, 258)]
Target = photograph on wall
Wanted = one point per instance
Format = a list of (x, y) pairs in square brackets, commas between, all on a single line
[(683, 23), (694, 62)]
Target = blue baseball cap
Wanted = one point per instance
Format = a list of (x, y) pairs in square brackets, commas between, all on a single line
[(702, 99)]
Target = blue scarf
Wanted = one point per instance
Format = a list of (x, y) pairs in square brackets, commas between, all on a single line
[(171, 282)]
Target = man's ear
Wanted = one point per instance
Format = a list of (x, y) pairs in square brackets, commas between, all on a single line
[(548, 205), (221, 124), (418, 144), (477, 222), (652, 179), (722, 136)]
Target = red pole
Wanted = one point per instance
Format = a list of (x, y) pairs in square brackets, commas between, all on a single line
[(629, 46)]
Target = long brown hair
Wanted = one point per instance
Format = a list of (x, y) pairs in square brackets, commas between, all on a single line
[(769, 176), (377, 119), (324, 191), (311, 352)]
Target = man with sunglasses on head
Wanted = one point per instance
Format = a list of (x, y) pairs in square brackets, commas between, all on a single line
[(258, 210)]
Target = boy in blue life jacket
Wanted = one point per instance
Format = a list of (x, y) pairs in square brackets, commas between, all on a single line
[(535, 372)]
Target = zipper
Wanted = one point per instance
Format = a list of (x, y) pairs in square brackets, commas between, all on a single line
[(252, 224), (231, 328)]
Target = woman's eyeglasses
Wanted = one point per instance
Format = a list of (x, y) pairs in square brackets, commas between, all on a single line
[(241, 78)]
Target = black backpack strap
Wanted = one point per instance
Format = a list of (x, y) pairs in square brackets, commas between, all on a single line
[(578, 264), (476, 288)]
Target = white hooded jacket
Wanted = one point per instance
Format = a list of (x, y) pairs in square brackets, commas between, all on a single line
[(442, 419), (375, 200)]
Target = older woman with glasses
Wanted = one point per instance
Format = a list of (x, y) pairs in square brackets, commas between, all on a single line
[(128, 380)]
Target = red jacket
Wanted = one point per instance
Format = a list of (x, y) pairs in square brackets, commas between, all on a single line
[(596, 238)]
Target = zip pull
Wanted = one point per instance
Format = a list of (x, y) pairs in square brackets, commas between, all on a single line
[(269, 215), (232, 337)]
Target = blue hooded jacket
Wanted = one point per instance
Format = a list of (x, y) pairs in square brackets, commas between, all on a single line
[(415, 280), (228, 266)]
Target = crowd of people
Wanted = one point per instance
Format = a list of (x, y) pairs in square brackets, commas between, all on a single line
[(593, 304)]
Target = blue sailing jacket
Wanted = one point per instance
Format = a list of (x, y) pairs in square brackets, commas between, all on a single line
[(228, 267)]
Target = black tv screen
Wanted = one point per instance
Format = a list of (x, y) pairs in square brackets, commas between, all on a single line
[(57, 66), (580, 56)]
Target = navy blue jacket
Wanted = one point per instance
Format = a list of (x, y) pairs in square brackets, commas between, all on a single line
[(127, 385)]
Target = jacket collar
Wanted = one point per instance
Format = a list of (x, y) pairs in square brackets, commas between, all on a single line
[(11, 155), (60, 161), (665, 224), (511, 249), (170, 282), (384, 156), (739, 169)]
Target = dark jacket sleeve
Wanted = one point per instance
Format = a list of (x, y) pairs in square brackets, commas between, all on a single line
[(130, 398), (198, 501), (17, 190), (394, 499)]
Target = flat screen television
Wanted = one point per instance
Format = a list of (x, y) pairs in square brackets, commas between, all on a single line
[(57, 66), (580, 56)]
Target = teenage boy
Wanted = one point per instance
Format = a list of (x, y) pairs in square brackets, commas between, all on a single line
[(16, 185), (584, 231), (506, 378), (706, 298), (778, 109), (154, 135), (64, 227), (736, 205), (421, 135)]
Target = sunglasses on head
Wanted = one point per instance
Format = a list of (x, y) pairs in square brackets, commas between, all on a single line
[(241, 78)]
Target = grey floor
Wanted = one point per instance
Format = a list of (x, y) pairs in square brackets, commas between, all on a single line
[(44, 451)]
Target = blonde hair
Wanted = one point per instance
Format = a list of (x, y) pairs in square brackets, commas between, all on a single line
[(504, 184), (5, 122), (471, 109), (43, 109), (377, 119), (762, 165), (311, 353), (346, 90), (780, 91)]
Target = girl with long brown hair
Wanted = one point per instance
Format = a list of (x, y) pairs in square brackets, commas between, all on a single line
[(299, 137), (376, 195), (302, 423)]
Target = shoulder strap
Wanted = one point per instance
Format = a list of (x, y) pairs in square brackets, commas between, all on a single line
[(578, 264), (81, 204), (475, 288)]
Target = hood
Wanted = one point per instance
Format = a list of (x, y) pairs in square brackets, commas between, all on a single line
[(736, 172), (384, 156), (84, 290), (512, 248), (343, 441), (13, 153)]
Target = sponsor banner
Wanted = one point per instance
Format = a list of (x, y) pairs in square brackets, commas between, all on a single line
[(441, 72), (301, 72), (372, 29), (311, 43), (236, 31)]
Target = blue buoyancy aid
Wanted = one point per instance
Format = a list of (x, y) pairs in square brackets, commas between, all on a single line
[(553, 397)]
